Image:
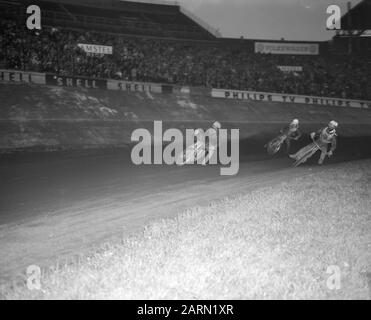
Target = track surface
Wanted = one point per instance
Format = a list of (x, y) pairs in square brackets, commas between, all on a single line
[(56, 205)]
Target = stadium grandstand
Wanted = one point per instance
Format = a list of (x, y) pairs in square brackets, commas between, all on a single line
[(161, 42), (355, 33)]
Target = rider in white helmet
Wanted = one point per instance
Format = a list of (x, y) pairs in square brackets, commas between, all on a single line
[(292, 132), (322, 138), (216, 125), (212, 142)]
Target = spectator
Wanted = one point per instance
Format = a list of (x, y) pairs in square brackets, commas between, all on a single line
[(199, 64)]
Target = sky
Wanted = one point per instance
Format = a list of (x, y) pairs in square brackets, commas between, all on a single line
[(267, 19)]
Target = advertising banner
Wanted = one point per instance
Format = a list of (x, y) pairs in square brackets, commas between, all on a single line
[(287, 48), (95, 48), (290, 68), (21, 76), (64, 81), (289, 98), (133, 86)]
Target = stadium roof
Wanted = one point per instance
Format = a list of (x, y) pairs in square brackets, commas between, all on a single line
[(358, 18), (156, 18)]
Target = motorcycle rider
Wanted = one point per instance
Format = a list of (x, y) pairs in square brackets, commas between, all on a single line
[(289, 132), (322, 138), (292, 133), (212, 143)]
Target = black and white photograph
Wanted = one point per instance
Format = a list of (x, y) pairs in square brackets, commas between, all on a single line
[(205, 151)]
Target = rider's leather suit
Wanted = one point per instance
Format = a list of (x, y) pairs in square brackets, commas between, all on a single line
[(323, 138)]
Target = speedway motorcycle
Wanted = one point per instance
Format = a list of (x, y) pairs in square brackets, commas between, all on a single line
[(275, 144), (307, 152), (192, 154)]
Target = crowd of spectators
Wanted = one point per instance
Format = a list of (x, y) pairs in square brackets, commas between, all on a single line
[(211, 64)]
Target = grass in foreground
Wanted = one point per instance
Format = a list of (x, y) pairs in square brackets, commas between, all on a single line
[(274, 243)]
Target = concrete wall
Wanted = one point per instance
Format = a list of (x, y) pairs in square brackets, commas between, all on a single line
[(47, 117)]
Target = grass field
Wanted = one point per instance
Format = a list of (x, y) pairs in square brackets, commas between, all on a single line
[(307, 238)]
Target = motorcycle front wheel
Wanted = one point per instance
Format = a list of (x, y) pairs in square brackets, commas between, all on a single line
[(274, 146)]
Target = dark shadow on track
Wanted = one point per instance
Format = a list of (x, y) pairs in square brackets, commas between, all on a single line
[(40, 183), (348, 149)]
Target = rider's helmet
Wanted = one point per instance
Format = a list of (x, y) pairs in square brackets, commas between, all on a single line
[(294, 123), (332, 126), (216, 125)]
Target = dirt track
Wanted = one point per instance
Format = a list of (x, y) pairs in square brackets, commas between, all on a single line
[(57, 205)]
